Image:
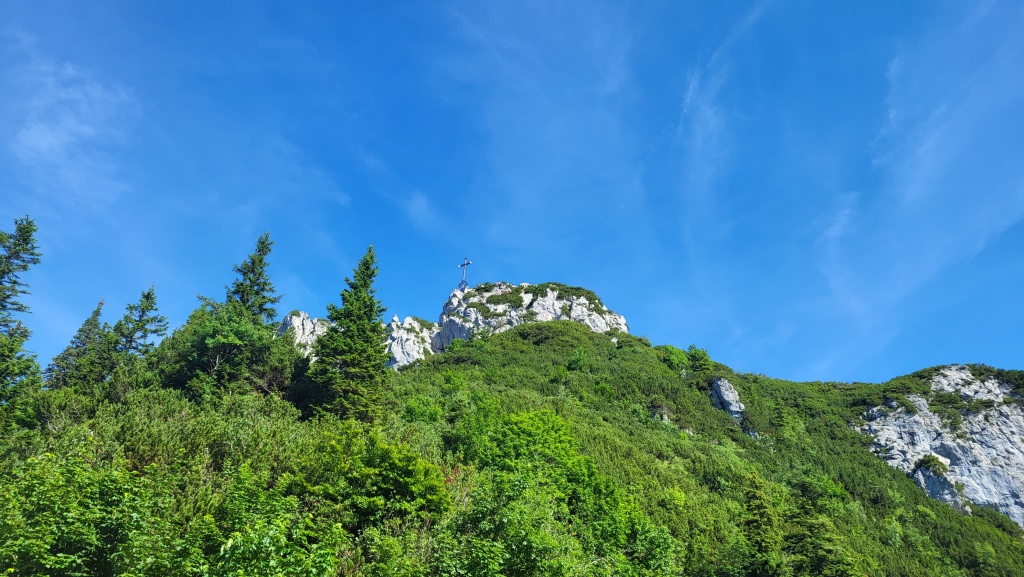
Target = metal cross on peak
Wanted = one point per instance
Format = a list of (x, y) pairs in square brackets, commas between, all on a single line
[(465, 265)]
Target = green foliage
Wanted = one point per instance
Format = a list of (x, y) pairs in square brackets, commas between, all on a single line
[(18, 368), (1014, 378), (514, 298), (349, 373), (139, 325), (18, 252), (537, 451), (932, 463), (102, 362), (423, 323), (456, 345), (87, 361), (63, 516), (676, 359), (253, 289), (699, 360), (763, 527), (220, 349), (565, 292), (484, 310), (578, 361)]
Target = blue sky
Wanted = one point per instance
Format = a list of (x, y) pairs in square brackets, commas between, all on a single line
[(810, 191)]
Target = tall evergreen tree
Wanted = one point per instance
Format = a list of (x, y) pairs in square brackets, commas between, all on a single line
[(253, 288), (18, 252), (350, 368), (140, 323), (87, 360)]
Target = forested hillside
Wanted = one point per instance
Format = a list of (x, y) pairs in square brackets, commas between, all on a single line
[(219, 449)]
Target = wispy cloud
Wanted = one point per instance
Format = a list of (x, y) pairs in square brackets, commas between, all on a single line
[(835, 224), (69, 123), (703, 129), (420, 211), (700, 153), (950, 182), (550, 84)]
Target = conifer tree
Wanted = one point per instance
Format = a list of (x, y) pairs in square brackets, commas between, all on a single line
[(88, 360), (231, 346), (350, 368), (18, 252), (763, 528), (139, 324), (253, 288)]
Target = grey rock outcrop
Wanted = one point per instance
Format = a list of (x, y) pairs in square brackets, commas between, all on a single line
[(306, 329), (409, 340), (984, 455), (486, 309), (938, 486), (498, 307), (725, 397)]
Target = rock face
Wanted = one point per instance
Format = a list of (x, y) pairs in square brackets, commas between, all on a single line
[(306, 329), (409, 340), (492, 308), (984, 455), (725, 397), (489, 308)]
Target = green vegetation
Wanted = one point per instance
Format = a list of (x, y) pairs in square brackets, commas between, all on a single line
[(514, 298), (253, 289), (565, 292), (222, 451), (950, 407), (1014, 378), (348, 376), (932, 463), (484, 310), (424, 324), (18, 252)]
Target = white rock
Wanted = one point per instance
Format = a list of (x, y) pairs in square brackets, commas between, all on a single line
[(306, 329), (941, 488), (462, 317), (468, 313), (725, 397), (409, 341), (958, 380), (985, 457)]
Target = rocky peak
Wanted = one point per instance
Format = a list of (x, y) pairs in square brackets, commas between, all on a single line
[(980, 458), (489, 308), (492, 308)]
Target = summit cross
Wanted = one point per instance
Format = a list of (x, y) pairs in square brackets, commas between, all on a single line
[(465, 265)]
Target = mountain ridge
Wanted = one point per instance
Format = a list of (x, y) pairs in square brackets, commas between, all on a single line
[(904, 431)]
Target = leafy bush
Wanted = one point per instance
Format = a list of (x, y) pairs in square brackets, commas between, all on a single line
[(565, 292), (932, 463), (514, 298)]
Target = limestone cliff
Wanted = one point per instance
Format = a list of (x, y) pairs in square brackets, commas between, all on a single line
[(497, 307), (983, 453), (409, 340), (305, 329), (725, 397), (489, 308)]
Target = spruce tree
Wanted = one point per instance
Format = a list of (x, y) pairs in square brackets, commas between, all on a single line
[(140, 323), (350, 368), (253, 288), (87, 360), (18, 252)]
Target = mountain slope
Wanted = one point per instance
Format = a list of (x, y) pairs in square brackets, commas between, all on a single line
[(544, 449)]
